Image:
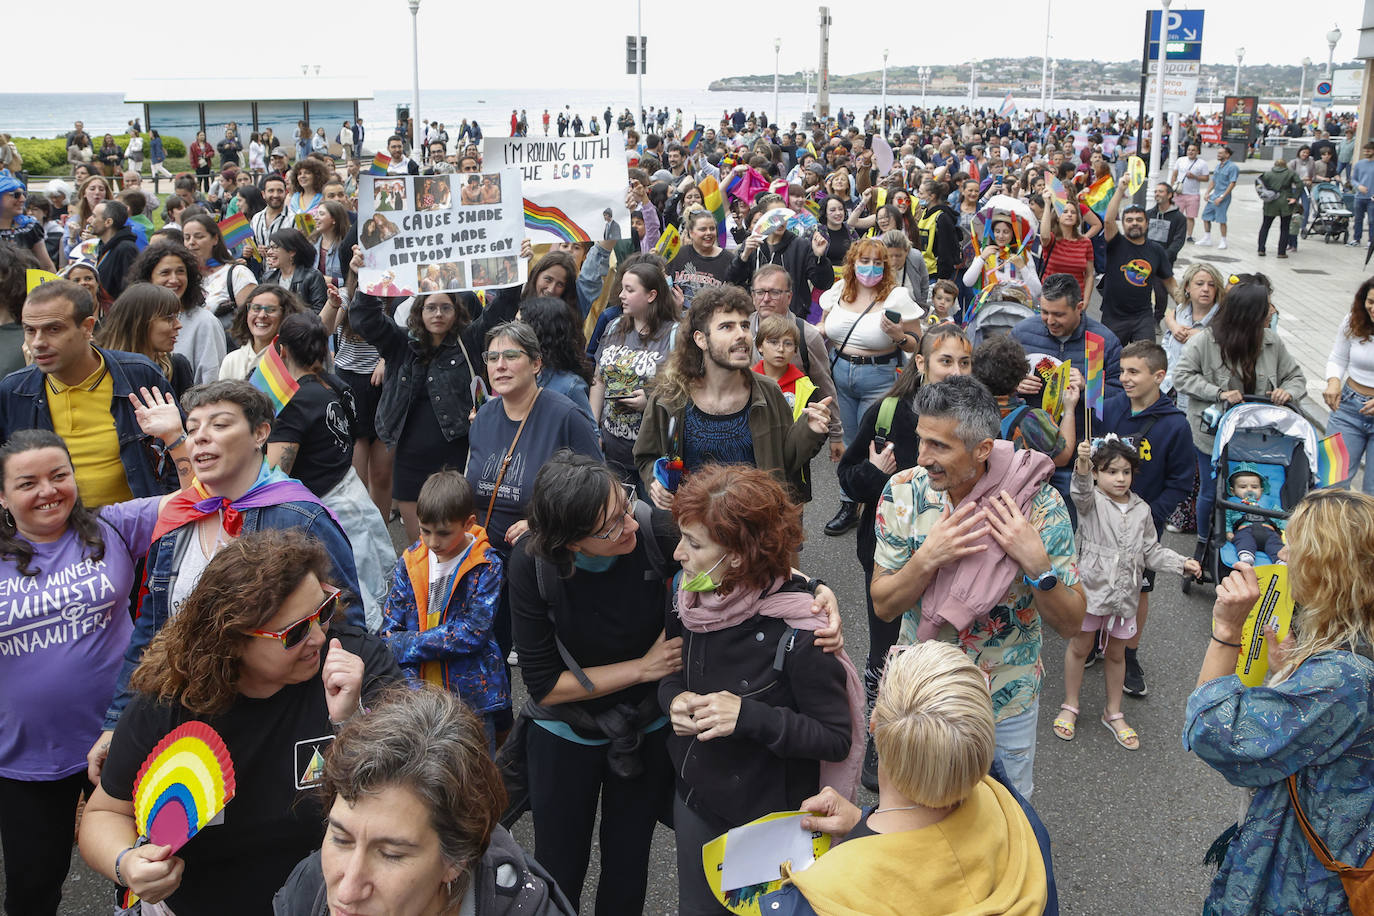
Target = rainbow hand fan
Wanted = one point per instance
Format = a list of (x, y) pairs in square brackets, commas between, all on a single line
[(183, 785)]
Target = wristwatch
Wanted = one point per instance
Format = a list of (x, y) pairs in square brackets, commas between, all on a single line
[(1044, 582)]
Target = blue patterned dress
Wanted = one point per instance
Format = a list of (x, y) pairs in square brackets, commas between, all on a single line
[(1317, 724)]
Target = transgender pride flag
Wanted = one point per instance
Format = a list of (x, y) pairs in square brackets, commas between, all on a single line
[(1008, 107)]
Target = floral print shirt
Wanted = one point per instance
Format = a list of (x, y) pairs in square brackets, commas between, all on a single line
[(1317, 724), (1006, 643)]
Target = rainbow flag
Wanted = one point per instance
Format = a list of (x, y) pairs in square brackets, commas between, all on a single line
[(1278, 113), (668, 243), (713, 200), (1059, 195), (555, 221), (691, 140), (1099, 193), (1008, 107), (1094, 355), (235, 230), (272, 379), (1333, 461), (380, 163)]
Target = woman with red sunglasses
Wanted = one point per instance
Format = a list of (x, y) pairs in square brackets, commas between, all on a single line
[(274, 677)]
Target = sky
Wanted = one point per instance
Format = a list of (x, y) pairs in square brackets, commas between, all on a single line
[(542, 43)]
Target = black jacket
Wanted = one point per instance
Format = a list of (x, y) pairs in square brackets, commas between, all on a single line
[(946, 248), (794, 253), (789, 720), (446, 374), (506, 881), (863, 481), (112, 261), (306, 282)]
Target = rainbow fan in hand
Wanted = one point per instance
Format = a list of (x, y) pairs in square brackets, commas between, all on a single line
[(186, 781)]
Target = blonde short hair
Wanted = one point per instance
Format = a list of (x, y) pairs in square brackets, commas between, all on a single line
[(933, 724)]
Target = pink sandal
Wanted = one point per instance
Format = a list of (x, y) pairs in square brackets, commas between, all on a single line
[(1122, 735), (1070, 727)]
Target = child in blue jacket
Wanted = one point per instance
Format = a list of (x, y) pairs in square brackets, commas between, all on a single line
[(437, 618)]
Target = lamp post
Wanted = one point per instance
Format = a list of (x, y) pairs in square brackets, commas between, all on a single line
[(925, 79), (806, 78), (1157, 130), (639, 65), (1240, 59), (777, 49), (1212, 89), (1054, 74), (1302, 85), (1045, 61), (972, 69), (415, 74), (1332, 37), (883, 131)]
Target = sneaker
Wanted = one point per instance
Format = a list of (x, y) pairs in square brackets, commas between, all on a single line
[(1283, 254), (1353, 243), (1205, 240), (513, 659), (1221, 244), (1174, 529), (1093, 656), (1190, 238), (1134, 685), (869, 775)]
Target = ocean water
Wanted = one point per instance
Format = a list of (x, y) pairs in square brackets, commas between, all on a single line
[(52, 114)]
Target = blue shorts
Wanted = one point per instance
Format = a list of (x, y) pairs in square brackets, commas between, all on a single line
[(1216, 212)]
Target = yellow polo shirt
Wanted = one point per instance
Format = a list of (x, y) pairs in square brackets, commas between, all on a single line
[(81, 416)]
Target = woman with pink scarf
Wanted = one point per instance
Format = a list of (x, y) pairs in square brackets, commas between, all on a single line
[(761, 715)]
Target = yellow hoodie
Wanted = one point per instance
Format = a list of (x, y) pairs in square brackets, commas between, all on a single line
[(981, 860)]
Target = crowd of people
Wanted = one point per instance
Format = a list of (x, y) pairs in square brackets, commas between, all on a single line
[(602, 611)]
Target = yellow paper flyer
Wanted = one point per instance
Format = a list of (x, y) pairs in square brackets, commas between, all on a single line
[(1275, 604)]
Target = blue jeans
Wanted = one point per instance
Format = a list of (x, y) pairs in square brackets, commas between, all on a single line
[(1016, 747), (1363, 211), (1206, 494), (1357, 430), (859, 387)]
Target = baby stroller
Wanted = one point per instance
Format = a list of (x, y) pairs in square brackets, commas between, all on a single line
[(1280, 445), (997, 317), (1330, 216)]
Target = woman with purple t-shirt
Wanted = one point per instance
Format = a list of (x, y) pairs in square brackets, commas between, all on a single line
[(66, 574)]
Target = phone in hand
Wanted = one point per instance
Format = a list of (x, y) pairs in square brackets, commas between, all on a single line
[(893, 316)]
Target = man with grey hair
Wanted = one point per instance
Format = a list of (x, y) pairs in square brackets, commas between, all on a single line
[(974, 548)]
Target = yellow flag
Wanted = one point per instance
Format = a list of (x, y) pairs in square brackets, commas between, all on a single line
[(38, 277), (668, 243)]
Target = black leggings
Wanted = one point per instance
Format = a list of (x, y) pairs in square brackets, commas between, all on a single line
[(566, 781), (36, 824)]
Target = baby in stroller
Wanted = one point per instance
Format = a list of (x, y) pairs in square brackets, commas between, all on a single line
[(1251, 532)]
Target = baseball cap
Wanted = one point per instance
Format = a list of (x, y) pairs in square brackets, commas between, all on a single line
[(278, 151)]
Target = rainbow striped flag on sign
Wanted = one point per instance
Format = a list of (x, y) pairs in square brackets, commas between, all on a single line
[(1333, 461), (668, 243), (1094, 355), (1098, 194), (380, 163), (272, 379), (713, 200), (691, 140), (235, 230)]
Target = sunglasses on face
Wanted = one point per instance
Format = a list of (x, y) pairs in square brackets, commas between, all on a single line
[(294, 635)]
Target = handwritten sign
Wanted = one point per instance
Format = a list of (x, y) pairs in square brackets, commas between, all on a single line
[(574, 187), (440, 233)]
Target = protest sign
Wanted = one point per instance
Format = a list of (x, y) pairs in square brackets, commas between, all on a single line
[(574, 188), (440, 233), (1274, 607)]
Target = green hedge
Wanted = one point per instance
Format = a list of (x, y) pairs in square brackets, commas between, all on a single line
[(49, 156)]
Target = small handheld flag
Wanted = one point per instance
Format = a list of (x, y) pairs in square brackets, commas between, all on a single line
[(1008, 107), (668, 243), (273, 379), (1333, 461), (713, 200), (691, 140), (1094, 356), (1059, 195), (380, 163), (235, 230), (305, 223), (1098, 194)]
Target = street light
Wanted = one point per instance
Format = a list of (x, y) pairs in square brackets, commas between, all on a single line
[(415, 74), (777, 49), (1332, 37), (883, 131), (1302, 85), (1045, 61), (925, 78), (972, 69), (1240, 58), (1212, 82), (1054, 73)]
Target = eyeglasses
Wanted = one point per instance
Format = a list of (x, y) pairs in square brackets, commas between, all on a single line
[(493, 356), (760, 293), (264, 309), (293, 635), (272, 246), (630, 502), (782, 343), (438, 308)]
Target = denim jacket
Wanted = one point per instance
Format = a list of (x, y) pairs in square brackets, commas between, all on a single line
[(24, 405), (164, 558)]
